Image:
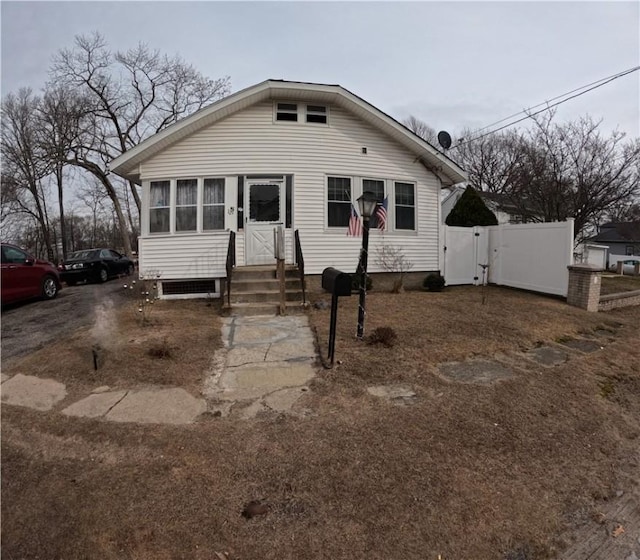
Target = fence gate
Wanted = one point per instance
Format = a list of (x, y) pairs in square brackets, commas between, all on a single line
[(465, 249)]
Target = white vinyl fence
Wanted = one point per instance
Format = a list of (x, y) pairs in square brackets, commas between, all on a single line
[(528, 256)]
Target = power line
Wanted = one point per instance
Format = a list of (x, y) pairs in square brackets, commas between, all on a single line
[(528, 114)]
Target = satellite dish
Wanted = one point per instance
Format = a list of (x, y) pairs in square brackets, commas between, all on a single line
[(444, 139)]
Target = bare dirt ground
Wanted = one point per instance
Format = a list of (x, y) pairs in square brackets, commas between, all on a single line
[(512, 470)]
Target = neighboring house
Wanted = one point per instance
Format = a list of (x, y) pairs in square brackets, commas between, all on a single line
[(290, 153), (503, 206), (622, 238)]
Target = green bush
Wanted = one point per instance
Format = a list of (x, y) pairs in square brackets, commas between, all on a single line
[(470, 210), (433, 282)]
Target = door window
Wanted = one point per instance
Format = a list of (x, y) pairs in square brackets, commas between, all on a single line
[(264, 203)]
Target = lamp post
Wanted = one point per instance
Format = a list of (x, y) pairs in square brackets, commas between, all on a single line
[(367, 204)]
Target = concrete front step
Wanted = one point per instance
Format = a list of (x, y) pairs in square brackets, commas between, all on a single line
[(249, 309), (271, 296), (263, 284), (268, 272)]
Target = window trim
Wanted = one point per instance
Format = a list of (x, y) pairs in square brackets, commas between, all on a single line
[(352, 185), (307, 113), (174, 208), (396, 205), (277, 111), (167, 206), (202, 204)]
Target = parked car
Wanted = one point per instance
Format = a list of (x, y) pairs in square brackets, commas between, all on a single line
[(94, 265), (25, 277)]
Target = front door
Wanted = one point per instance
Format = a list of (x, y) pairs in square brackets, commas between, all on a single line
[(265, 204)]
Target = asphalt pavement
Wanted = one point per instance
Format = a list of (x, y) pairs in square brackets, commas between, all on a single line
[(27, 327)]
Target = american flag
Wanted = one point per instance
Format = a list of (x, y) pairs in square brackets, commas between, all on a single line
[(381, 214), (355, 224)]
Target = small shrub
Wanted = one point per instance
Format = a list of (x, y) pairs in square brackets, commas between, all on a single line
[(383, 335), (161, 350), (434, 282)]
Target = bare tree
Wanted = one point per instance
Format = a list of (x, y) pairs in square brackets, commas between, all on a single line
[(130, 95), (421, 128), (25, 165), (556, 171), (60, 116)]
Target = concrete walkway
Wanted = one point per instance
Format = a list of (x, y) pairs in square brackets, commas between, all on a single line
[(264, 365)]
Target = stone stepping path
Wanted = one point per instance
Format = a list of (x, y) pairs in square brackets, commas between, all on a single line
[(584, 345), (548, 356), (482, 372), (266, 364)]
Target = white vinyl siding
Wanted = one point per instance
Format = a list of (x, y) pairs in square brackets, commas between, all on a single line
[(250, 142)]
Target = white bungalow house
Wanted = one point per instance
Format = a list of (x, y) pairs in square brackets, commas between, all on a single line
[(289, 153)]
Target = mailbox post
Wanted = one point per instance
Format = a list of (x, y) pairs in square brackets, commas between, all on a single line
[(338, 284)]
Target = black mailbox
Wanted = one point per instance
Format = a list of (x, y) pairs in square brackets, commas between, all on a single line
[(336, 282)]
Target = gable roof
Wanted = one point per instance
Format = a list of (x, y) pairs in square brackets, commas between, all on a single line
[(449, 172), (618, 232)]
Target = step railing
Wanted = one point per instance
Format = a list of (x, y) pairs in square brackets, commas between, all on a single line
[(231, 263), (300, 263)]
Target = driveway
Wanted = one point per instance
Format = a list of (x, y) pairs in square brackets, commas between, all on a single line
[(29, 326)]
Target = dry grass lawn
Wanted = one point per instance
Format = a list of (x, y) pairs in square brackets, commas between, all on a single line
[(616, 283), (504, 471)]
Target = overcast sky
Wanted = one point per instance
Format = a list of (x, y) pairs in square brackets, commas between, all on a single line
[(453, 64)]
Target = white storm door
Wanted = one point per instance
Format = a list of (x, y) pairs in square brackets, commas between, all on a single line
[(265, 205)]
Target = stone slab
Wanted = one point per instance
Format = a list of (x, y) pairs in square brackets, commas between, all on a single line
[(295, 349), (243, 355), (3, 377), (101, 389), (583, 345), (257, 334), (255, 380), (548, 355), (283, 400), (95, 405), (252, 410), (158, 406), (475, 371), (392, 391), (33, 392)]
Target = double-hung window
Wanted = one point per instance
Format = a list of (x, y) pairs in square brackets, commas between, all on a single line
[(405, 206), (338, 201), (316, 114), (186, 204), (160, 206), (375, 186), (287, 112), (213, 204)]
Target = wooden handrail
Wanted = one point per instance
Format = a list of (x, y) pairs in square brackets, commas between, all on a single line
[(300, 263), (231, 263)]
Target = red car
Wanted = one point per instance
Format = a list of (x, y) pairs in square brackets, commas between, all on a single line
[(25, 277)]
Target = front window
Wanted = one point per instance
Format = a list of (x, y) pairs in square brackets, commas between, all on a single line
[(213, 204), (376, 187), (186, 204), (338, 201), (405, 206), (159, 206)]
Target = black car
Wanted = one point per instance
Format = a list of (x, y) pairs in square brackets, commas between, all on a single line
[(94, 265)]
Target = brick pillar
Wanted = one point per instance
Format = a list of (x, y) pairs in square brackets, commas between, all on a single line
[(584, 286)]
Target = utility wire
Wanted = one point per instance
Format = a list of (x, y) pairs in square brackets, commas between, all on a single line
[(528, 114)]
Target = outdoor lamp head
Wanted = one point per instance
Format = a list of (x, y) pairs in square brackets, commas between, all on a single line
[(367, 204)]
